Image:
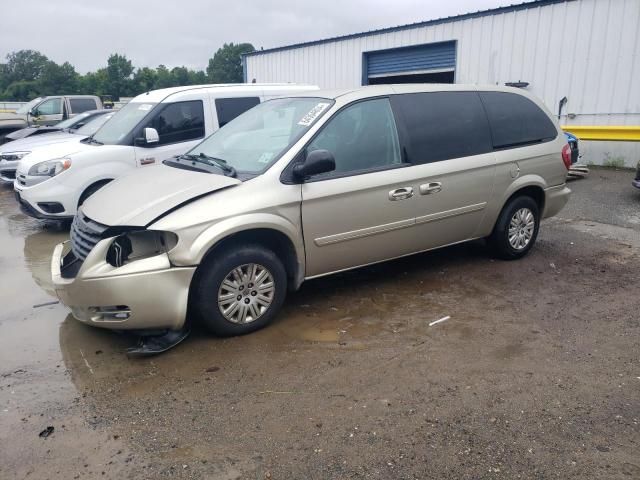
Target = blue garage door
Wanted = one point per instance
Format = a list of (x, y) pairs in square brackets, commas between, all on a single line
[(429, 58)]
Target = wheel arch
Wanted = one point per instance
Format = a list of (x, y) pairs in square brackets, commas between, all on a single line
[(530, 185), (279, 236), (99, 183)]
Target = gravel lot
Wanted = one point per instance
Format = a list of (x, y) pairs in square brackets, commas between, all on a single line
[(535, 375)]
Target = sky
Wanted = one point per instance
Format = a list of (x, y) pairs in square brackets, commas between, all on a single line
[(188, 32)]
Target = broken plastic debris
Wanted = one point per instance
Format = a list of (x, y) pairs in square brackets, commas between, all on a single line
[(443, 319), (46, 304), (46, 432)]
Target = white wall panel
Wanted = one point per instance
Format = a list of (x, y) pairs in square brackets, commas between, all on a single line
[(586, 50)]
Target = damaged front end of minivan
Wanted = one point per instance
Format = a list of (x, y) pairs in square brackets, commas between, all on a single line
[(117, 273)]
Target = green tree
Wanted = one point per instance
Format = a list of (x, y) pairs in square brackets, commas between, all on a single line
[(4, 77), (22, 91), (164, 77), (197, 77), (226, 64), (180, 76), (24, 65), (144, 79), (119, 76), (58, 79), (94, 83)]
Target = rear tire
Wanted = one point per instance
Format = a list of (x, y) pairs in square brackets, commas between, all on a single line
[(516, 230), (239, 290)]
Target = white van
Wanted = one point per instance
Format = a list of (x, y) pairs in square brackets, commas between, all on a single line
[(51, 183)]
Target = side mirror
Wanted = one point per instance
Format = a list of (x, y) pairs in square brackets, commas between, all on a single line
[(33, 112), (150, 136), (318, 161)]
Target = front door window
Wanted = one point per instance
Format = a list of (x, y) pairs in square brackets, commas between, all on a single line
[(361, 137)]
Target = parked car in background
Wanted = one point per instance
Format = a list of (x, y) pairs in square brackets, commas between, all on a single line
[(47, 111), (302, 187), (577, 170), (156, 125), (636, 181), (11, 153), (68, 125), (573, 144)]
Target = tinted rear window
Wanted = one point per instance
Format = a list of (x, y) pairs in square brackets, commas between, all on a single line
[(230, 108), (443, 125), (79, 105), (515, 120)]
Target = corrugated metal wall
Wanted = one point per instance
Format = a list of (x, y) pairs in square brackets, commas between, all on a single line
[(586, 50)]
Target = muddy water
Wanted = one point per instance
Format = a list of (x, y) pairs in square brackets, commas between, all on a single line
[(55, 371), (36, 390), (535, 374)]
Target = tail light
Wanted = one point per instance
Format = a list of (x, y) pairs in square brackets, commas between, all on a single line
[(566, 156)]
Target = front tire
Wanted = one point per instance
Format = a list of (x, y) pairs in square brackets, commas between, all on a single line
[(516, 230), (239, 290)]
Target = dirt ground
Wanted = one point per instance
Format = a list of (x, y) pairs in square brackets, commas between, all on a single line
[(536, 375)]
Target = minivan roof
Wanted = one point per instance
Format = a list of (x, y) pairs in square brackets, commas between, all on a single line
[(376, 90), (161, 94)]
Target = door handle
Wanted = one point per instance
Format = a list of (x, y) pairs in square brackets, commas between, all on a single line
[(401, 193), (429, 188)]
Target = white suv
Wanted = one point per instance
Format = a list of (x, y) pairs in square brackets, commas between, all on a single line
[(51, 183)]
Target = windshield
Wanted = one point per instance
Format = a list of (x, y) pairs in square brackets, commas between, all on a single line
[(94, 124), (26, 108), (257, 138), (123, 122), (70, 122)]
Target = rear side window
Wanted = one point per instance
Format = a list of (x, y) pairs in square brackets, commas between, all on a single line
[(443, 125), (230, 108), (79, 105), (515, 120), (179, 122)]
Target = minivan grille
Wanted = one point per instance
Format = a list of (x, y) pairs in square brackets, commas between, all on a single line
[(85, 234)]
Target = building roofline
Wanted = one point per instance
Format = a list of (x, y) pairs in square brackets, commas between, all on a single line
[(437, 21)]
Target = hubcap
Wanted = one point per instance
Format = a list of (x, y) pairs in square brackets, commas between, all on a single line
[(521, 228), (246, 293)]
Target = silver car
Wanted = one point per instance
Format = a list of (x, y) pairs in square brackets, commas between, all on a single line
[(12, 152), (297, 188)]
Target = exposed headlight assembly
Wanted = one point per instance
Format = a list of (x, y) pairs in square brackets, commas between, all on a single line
[(13, 156), (139, 244), (50, 168)]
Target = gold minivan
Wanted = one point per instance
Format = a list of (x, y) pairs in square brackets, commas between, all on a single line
[(301, 187)]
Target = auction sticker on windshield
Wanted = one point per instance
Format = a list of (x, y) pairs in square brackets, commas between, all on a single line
[(313, 114)]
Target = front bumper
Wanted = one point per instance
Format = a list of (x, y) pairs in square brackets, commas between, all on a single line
[(145, 294), (46, 192), (636, 183), (8, 171), (555, 198)]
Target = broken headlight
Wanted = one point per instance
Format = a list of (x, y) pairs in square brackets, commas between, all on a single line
[(139, 244)]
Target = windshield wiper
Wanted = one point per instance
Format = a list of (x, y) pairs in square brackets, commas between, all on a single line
[(218, 162), (90, 139)]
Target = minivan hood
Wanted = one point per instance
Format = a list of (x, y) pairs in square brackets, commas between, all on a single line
[(29, 143), (140, 197), (40, 152)]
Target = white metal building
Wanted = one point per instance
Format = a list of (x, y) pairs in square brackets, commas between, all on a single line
[(585, 50)]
